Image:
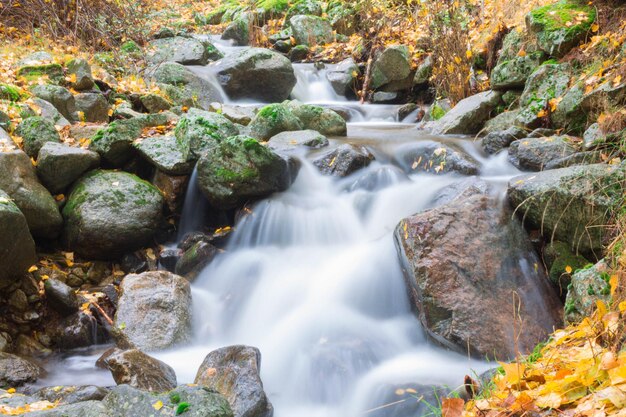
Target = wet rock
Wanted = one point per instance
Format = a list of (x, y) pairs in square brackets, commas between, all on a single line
[(48, 111), (494, 142), (384, 97), (19, 181), (15, 371), (343, 77), (76, 331), (125, 400), (559, 258), (200, 131), (234, 372), (17, 248), (36, 131), (59, 97), (239, 169), (588, 286), (534, 154), (60, 296), (392, 64), (94, 107), (173, 188), (154, 311), (236, 114), (30, 347), (344, 160), (72, 394), (135, 368), (325, 121), (469, 115), (435, 157), (195, 259), (185, 87), (272, 120), (569, 204), (182, 50), (79, 71), (288, 141), (164, 153), (59, 165), (424, 71), (18, 301), (110, 213), (238, 30), (256, 73), (455, 293), (299, 53), (82, 409), (578, 158), (311, 30), (168, 258), (513, 73)]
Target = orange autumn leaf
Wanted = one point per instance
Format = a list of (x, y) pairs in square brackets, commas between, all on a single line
[(452, 407)]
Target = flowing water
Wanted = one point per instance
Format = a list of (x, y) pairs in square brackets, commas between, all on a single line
[(311, 278)]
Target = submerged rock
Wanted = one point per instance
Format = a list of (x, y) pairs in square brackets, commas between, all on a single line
[(435, 157)]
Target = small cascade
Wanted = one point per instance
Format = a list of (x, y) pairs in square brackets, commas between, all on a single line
[(195, 208), (312, 85)]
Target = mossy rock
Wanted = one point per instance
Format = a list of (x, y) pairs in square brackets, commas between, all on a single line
[(10, 92), (200, 130), (81, 72), (588, 286), (238, 31), (114, 143), (239, 169), (561, 26), (392, 64), (17, 248), (311, 30), (36, 131), (59, 165), (272, 120), (515, 72), (325, 121), (561, 261), (164, 153), (53, 72), (570, 114), (545, 83)]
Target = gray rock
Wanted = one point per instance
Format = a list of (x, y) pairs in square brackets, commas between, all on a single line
[(325, 121), (36, 131), (234, 372), (17, 248), (494, 142), (155, 103), (272, 120), (344, 160), (535, 154), (546, 82), (288, 141), (59, 165), (238, 30), (182, 50), (185, 85), (469, 115), (434, 157), (59, 97), (77, 330), (82, 409), (299, 53), (94, 107), (570, 204), (311, 30), (384, 97), (42, 72), (200, 131), (110, 213), (570, 115), (114, 142), (343, 76), (48, 111), (593, 137), (424, 71), (236, 114), (195, 259), (514, 72), (81, 70), (19, 181), (238, 169), (60, 296), (164, 153), (71, 394), (135, 368), (154, 311), (501, 122), (15, 371), (392, 64), (256, 73), (588, 286)]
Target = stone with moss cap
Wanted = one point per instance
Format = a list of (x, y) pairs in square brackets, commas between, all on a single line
[(36, 131), (53, 72), (109, 213), (17, 248), (311, 30), (325, 121), (272, 120), (239, 169), (589, 285), (392, 64), (200, 130), (561, 26), (10, 92)]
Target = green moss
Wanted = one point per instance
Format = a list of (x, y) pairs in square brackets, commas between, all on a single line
[(556, 16), (9, 92), (437, 112), (32, 72), (271, 111), (273, 6), (130, 47)]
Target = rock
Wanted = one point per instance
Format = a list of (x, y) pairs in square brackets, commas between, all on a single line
[(533, 154), (541, 132), (164, 153), (406, 110), (94, 107), (238, 30), (501, 122), (114, 142), (288, 141), (200, 131), (184, 84), (272, 120), (569, 204), (311, 30), (36, 131), (559, 258), (424, 71), (155, 103), (547, 82), (79, 72), (59, 165), (325, 121), (236, 114), (195, 259), (560, 26), (48, 111), (18, 301), (307, 7), (110, 213), (299, 53), (59, 97), (456, 293), (72, 394), (384, 97), (82, 409), (570, 115), (588, 286), (234, 372), (434, 157), (239, 169), (17, 248), (256, 73), (578, 158), (173, 188), (392, 64), (514, 73), (182, 50), (35, 71), (135, 368), (344, 160), (343, 76), (36, 58), (19, 181), (511, 98), (404, 398), (60, 296), (15, 371), (496, 141), (593, 137), (154, 311), (10, 93), (469, 115), (126, 401), (77, 330)]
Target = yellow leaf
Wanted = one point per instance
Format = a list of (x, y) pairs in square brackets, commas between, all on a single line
[(158, 405), (32, 268), (457, 60), (11, 390), (542, 113), (617, 81), (568, 269), (595, 27), (602, 310), (622, 306), (468, 54), (613, 282), (552, 400)]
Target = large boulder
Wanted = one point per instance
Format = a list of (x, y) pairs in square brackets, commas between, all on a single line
[(182, 50), (15, 371), (272, 120), (17, 248), (110, 213), (469, 115), (545, 83), (536, 154), (459, 295), (94, 107), (588, 286), (238, 31), (200, 131), (135, 368), (59, 165), (234, 372), (35, 132), (256, 73), (239, 169), (60, 97), (518, 59), (560, 26), (311, 30), (344, 160), (114, 142), (392, 64), (154, 311), (570, 204), (19, 181), (183, 85)]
